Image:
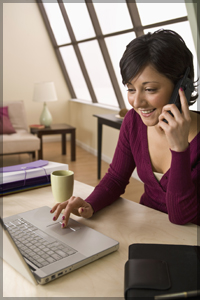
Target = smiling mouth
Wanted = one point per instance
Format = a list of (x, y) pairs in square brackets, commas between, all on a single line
[(147, 111)]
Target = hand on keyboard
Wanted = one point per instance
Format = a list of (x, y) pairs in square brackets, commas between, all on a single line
[(74, 205)]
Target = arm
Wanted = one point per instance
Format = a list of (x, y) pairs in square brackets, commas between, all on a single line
[(108, 190), (114, 182), (183, 191)]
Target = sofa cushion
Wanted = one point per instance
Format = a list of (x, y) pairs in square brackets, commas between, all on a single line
[(22, 141), (17, 114), (5, 124)]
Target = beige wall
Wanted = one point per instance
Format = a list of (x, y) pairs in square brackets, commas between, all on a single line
[(28, 57), (192, 16), (81, 116)]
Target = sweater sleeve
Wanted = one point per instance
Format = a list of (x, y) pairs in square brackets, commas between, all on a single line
[(183, 190), (116, 179)]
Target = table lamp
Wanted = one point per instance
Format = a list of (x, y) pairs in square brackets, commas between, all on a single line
[(45, 92)]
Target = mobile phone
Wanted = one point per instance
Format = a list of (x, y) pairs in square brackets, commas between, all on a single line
[(187, 85)]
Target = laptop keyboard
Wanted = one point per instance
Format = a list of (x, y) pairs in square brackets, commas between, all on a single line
[(35, 245)]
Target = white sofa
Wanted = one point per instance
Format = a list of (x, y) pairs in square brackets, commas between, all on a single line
[(22, 141)]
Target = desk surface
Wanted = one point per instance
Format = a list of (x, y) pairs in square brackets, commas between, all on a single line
[(110, 120), (124, 221)]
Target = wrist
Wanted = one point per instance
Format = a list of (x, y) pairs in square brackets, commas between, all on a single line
[(180, 148), (91, 208)]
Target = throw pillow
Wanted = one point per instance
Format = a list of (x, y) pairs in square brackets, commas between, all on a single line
[(5, 124)]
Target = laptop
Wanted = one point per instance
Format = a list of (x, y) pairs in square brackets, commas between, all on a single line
[(39, 249)]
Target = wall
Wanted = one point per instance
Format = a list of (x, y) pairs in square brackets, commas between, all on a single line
[(81, 116), (28, 57), (193, 10)]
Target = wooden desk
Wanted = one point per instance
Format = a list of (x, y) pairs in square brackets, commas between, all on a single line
[(124, 221), (62, 129), (109, 120)]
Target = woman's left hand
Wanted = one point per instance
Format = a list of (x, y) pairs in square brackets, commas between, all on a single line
[(178, 126)]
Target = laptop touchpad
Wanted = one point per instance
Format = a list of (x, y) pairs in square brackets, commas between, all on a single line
[(71, 227)]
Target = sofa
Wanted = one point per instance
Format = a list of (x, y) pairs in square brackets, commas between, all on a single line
[(15, 137)]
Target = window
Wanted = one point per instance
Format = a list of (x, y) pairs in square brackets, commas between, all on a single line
[(109, 15), (90, 38), (95, 65), (76, 76), (80, 12)]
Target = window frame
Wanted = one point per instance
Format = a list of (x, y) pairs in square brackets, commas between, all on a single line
[(137, 28)]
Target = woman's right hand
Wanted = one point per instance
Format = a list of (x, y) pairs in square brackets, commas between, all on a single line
[(75, 205)]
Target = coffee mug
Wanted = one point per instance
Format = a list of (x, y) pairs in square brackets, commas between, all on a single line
[(62, 184)]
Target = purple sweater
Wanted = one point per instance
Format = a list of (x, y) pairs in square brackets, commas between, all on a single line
[(177, 193)]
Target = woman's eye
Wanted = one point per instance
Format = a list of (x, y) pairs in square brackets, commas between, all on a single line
[(130, 90), (151, 90)]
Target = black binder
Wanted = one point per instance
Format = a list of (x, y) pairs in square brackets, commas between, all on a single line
[(154, 269)]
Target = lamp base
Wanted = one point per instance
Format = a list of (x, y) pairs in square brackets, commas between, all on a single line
[(45, 118)]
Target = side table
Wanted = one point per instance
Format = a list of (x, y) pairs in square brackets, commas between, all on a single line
[(62, 129)]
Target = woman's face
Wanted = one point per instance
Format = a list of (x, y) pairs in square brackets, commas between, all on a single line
[(148, 92)]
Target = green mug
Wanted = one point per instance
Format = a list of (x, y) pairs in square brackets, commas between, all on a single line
[(62, 185)]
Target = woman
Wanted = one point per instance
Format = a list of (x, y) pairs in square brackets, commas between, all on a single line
[(162, 145)]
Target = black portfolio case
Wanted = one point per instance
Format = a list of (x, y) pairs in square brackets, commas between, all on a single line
[(154, 269)]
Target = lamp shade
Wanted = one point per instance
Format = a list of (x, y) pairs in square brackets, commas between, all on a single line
[(44, 92)]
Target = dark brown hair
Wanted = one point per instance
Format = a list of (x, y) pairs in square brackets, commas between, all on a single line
[(165, 50)]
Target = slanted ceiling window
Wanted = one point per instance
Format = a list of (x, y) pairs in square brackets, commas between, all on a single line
[(89, 38)]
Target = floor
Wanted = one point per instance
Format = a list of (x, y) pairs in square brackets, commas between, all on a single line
[(85, 166)]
